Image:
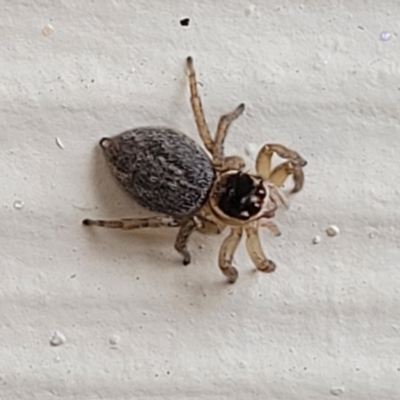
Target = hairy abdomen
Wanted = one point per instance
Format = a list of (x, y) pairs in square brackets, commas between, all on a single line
[(165, 171)]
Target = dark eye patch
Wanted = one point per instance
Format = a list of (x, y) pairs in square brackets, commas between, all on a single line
[(235, 198)]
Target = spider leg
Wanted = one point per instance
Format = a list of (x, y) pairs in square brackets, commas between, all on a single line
[(263, 162), (222, 130), (233, 162), (255, 251), (271, 226), (280, 173), (198, 108), (133, 223), (228, 248), (207, 224), (186, 229), (208, 227)]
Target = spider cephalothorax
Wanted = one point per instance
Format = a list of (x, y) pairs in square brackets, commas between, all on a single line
[(169, 173)]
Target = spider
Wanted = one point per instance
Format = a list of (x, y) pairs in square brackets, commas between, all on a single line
[(167, 172)]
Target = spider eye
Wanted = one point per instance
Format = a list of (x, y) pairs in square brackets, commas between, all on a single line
[(261, 192), (241, 196)]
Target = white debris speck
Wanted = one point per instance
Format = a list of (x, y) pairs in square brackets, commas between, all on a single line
[(114, 340), (337, 391), (47, 30), (332, 230), (316, 239), (373, 234), (385, 36), (59, 143), (18, 204), (57, 339), (252, 11)]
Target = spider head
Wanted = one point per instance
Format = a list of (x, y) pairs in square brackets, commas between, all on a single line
[(238, 198)]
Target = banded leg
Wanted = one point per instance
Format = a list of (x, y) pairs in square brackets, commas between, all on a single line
[(264, 157), (226, 252), (255, 251), (133, 223), (198, 108), (222, 130), (186, 229)]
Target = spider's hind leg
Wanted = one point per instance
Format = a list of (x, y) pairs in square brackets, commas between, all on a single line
[(133, 223), (186, 229)]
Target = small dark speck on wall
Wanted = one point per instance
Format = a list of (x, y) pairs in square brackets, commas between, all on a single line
[(185, 21)]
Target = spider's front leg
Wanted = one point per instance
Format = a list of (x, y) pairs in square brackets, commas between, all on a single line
[(279, 174), (255, 251), (227, 250)]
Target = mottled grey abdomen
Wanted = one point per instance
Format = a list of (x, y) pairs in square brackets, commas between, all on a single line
[(165, 171)]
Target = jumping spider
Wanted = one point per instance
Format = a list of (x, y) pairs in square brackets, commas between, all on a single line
[(167, 172)]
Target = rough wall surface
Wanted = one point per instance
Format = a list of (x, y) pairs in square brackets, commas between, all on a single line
[(101, 314)]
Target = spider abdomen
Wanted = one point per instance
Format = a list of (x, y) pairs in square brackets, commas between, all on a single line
[(163, 170)]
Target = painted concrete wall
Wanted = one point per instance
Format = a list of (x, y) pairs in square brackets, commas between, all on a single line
[(101, 314)]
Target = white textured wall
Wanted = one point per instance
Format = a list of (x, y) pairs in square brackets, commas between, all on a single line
[(315, 75)]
